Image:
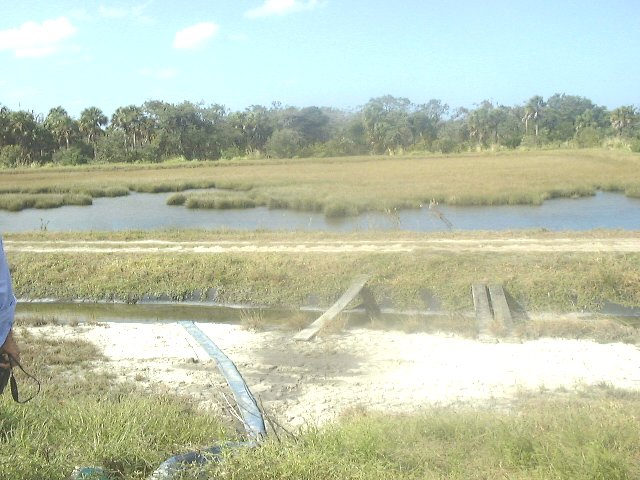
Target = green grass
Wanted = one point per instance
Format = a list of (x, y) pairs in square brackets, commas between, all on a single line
[(352, 185), (571, 438), (85, 417)]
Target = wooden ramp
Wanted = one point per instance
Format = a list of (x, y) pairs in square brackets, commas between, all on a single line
[(356, 287), (493, 315), (501, 313), (482, 307)]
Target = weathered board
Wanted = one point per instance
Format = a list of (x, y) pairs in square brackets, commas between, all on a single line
[(355, 288), (501, 313), (482, 308)]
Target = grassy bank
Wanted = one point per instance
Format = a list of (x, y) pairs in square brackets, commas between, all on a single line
[(352, 185), (538, 281)]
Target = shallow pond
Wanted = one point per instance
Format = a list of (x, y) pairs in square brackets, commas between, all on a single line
[(142, 211)]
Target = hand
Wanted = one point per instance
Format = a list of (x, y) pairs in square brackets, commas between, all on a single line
[(11, 347)]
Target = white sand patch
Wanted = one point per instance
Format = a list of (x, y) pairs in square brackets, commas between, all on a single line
[(313, 382)]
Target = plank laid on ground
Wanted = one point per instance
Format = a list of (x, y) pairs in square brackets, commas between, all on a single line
[(355, 288), (482, 308), (501, 312)]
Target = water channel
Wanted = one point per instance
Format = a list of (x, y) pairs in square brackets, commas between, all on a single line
[(144, 211)]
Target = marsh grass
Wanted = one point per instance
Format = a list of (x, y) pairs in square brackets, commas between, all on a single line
[(252, 319), (219, 201), (352, 185), (85, 416), (177, 199), (17, 202), (633, 192)]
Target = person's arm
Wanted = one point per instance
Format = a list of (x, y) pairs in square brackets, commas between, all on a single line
[(7, 309)]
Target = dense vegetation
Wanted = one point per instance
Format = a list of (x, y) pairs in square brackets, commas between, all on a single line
[(157, 130)]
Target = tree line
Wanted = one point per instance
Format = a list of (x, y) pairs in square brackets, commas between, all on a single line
[(157, 130)]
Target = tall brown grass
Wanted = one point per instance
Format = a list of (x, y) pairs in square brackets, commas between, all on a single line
[(351, 185)]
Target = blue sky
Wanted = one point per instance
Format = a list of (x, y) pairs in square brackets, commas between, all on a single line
[(81, 53)]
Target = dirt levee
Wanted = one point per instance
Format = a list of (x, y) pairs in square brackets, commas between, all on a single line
[(589, 244)]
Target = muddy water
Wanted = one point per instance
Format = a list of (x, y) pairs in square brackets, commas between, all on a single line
[(140, 211), (71, 313)]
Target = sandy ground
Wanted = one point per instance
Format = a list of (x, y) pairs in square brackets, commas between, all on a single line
[(312, 382), (605, 244)]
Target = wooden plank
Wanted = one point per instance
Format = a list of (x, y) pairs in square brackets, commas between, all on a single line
[(370, 305), (482, 308), (501, 312), (355, 288)]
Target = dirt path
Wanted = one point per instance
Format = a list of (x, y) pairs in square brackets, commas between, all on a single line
[(313, 382), (605, 244)]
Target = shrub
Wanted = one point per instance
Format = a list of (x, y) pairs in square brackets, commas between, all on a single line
[(10, 155), (73, 156), (588, 137), (284, 143)]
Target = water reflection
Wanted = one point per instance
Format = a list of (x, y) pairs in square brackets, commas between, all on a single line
[(143, 211)]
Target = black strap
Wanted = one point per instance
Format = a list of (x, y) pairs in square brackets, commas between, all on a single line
[(14, 384)]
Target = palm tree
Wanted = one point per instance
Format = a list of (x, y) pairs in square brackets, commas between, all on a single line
[(532, 111), (61, 125), (130, 120), (22, 131), (91, 122), (622, 118)]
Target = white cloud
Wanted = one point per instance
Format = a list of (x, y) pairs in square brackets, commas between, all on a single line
[(195, 36), (281, 7), (159, 73), (33, 39), (135, 11)]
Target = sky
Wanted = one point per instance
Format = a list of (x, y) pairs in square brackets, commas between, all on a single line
[(334, 53)]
